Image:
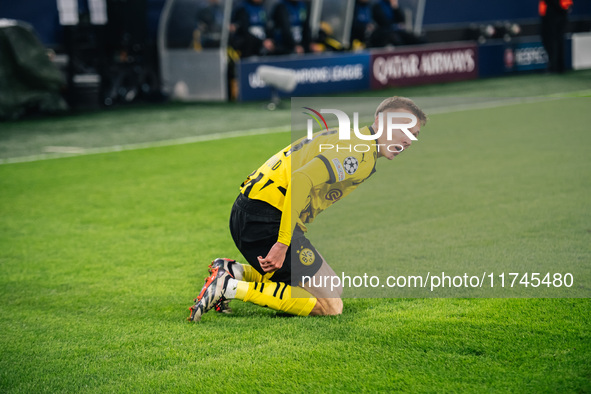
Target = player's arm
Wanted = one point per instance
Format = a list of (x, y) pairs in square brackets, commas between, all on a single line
[(302, 181)]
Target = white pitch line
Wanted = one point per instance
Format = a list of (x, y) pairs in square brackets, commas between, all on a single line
[(488, 104), (578, 93), (146, 145), (272, 130)]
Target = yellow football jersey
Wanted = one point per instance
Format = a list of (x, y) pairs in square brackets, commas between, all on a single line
[(324, 169)]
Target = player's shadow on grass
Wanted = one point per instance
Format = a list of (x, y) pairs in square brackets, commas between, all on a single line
[(282, 315)]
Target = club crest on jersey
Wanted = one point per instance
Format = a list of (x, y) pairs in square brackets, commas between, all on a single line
[(351, 165), (307, 257), (334, 195)]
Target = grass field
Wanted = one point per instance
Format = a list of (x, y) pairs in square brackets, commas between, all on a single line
[(102, 254)]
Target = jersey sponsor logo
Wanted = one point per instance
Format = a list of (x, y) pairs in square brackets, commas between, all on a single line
[(340, 170), (351, 165), (334, 195), (307, 257)]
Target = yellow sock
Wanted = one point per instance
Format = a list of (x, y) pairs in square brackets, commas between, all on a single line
[(278, 296), (251, 275)]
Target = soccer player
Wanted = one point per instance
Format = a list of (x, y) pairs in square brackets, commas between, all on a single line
[(291, 27), (269, 217)]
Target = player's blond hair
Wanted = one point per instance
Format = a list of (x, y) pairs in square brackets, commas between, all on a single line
[(397, 102)]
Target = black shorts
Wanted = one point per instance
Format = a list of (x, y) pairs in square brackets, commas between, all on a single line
[(255, 225)]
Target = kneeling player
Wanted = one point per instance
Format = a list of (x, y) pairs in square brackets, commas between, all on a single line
[(269, 219)]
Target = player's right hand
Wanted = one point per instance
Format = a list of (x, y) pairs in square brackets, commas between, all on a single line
[(274, 259)]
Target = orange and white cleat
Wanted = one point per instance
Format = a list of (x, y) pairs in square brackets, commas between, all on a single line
[(211, 294), (228, 265)]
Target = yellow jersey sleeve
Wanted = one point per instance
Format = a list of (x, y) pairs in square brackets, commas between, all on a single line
[(347, 165), (303, 180)]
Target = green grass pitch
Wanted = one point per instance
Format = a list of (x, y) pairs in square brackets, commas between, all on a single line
[(101, 255)]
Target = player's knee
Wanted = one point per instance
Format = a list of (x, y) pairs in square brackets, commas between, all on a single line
[(329, 306), (335, 307)]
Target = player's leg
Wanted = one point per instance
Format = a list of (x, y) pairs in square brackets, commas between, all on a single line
[(327, 307), (251, 223), (273, 290), (302, 286), (291, 289), (235, 269), (278, 296), (254, 226), (221, 287), (326, 291), (312, 273), (241, 272), (304, 300), (211, 294)]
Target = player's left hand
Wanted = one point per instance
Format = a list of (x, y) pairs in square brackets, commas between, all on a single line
[(274, 259)]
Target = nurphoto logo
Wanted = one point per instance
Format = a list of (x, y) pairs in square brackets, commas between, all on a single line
[(344, 128)]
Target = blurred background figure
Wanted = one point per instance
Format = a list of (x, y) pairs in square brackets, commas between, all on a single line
[(250, 26), (291, 27), (181, 32), (210, 19), (362, 26), (554, 15), (326, 40), (391, 25)]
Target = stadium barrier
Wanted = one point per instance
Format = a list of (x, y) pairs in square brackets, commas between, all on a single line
[(581, 47), (315, 75), (525, 54), (423, 64), (340, 73)]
